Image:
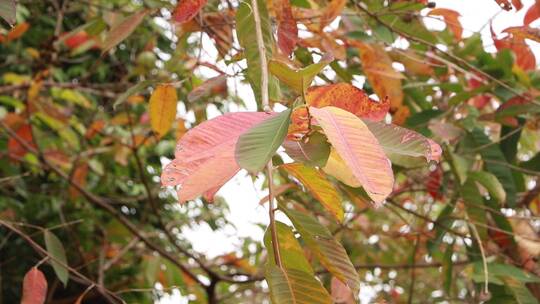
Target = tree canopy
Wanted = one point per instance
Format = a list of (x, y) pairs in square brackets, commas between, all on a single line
[(396, 158)]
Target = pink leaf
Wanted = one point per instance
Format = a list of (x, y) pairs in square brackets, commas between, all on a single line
[(34, 287), (359, 149), (204, 159)]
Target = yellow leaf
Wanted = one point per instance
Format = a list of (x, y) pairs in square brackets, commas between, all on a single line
[(336, 167), (319, 186), (163, 108)]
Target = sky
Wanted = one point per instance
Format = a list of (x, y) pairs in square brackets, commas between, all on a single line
[(242, 195)]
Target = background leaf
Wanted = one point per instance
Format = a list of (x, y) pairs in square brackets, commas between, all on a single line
[(123, 29), (56, 250), (163, 108), (34, 287)]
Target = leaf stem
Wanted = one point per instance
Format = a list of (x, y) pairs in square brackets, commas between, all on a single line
[(266, 106)]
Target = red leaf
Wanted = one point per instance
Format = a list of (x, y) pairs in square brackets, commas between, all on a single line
[(517, 4), (451, 19), (187, 9), (34, 287), (525, 58), (204, 159), (15, 149), (287, 31), (532, 13), (349, 98), (434, 182)]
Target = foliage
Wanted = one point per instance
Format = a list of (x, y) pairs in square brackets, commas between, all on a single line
[(403, 160)]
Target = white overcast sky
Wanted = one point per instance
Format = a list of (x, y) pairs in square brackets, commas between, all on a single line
[(243, 196)]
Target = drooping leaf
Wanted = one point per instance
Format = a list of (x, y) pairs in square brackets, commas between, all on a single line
[(123, 29), (8, 10), (204, 158), (293, 286), (257, 145), (330, 253), (292, 255), (56, 250), (359, 149), (245, 31), (287, 31), (377, 65), (491, 183), (299, 80), (348, 98), (213, 85), (451, 18), (132, 91), (404, 147), (163, 108), (186, 10), (319, 186), (34, 289), (474, 205), (314, 152)]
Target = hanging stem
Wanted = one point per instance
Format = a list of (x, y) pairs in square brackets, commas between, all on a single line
[(266, 107)]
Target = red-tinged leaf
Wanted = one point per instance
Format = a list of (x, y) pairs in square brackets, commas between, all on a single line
[(205, 156), (434, 182), (532, 13), (17, 150), (517, 4), (359, 149), (287, 31), (187, 9), (386, 82), (349, 98), (341, 293), (123, 29), (215, 85), (451, 18), (278, 191), (222, 34), (319, 186), (94, 128), (300, 125), (163, 108), (34, 287), (313, 150), (525, 58), (414, 64), (524, 32)]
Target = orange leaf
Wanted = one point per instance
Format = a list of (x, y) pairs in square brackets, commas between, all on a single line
[(299, 126), (187, 9), (15, 149), (205, 159), (331, 12), (532, 13), (524, 32), (414, 64), (123, 29), (451, 19), (381, 75), (94, 128), (287, 31), (359, 149), (517, 4), (34, 287), (78, 177), (163, 108), (17, 31), (524, 56), (349, 98)]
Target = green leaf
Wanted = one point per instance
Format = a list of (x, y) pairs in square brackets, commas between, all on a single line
[(319, 186), (298, 80), (292, 255), (56, 251), (448, 268), (329, 252), (475, 207), (8, 10), (257, 146), (519, 290), (314, 152), (495, 162), (123, 29), (247, 37), (491, 183), (293, 286), (497, 271)]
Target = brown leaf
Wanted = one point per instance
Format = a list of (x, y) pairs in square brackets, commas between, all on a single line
[(331, 12), (34, 287), (187, 9), (504, 4), (78, 177), (122, 30), (15, 149), (524, 32), (215, 85), (451, 19)]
